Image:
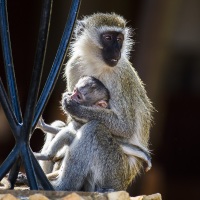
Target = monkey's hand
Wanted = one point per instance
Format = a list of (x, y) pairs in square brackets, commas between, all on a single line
[(66, 98), (74, 108), (84, 114), (66, 95), (69, 104)]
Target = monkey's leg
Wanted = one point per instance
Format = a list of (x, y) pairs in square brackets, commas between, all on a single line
[(49, 136), (53, 128), (96, 158), (61, 153), (77, 164), (54, 146), (63, 138), (47, 166), (111, 170)]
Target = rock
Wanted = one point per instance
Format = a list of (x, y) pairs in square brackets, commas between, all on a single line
[(8, 197), (72, 196), (137, 198), (38, 197), (120, 195), (156, 196), (64, 195)]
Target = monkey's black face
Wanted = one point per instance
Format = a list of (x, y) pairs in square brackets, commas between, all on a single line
[(112, 42)]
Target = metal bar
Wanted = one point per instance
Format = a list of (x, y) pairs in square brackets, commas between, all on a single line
[(58, 61), (40, 174), (22, 131), (37, 68), (8, 111), (30, 171), (8, 61), (14, 172), (33, 92), (9, 161)]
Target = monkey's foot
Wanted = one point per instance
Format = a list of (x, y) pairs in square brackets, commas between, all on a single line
[(53, 176)]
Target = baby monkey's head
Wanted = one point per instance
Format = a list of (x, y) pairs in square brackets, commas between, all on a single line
[(89, 91)]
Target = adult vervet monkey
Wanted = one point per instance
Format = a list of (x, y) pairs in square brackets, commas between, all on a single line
[(101, 48)]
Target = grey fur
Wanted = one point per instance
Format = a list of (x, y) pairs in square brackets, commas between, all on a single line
[(96, 159), (92, 92)]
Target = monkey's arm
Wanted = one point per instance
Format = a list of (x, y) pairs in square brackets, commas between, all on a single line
[(106, 116), (64, 137), (54, 128)]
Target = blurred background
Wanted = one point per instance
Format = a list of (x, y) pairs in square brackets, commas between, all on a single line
[(166, 55)]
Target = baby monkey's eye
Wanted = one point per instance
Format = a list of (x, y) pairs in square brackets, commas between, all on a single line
[(78, 96)]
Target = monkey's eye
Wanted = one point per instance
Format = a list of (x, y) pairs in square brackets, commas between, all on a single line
[(120, 38), (107, 37), (78, 96)]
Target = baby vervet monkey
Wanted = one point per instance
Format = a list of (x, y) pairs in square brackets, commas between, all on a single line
[(89, 91)]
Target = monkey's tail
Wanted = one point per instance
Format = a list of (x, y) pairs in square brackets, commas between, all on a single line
[(136, 151)]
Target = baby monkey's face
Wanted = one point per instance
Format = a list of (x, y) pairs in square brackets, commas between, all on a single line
[(88, 92)]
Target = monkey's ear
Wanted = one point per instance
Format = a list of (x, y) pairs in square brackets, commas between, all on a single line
[(102, 104), (80, 26)]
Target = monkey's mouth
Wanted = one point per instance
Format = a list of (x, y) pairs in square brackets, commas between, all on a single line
[(113, 62)]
